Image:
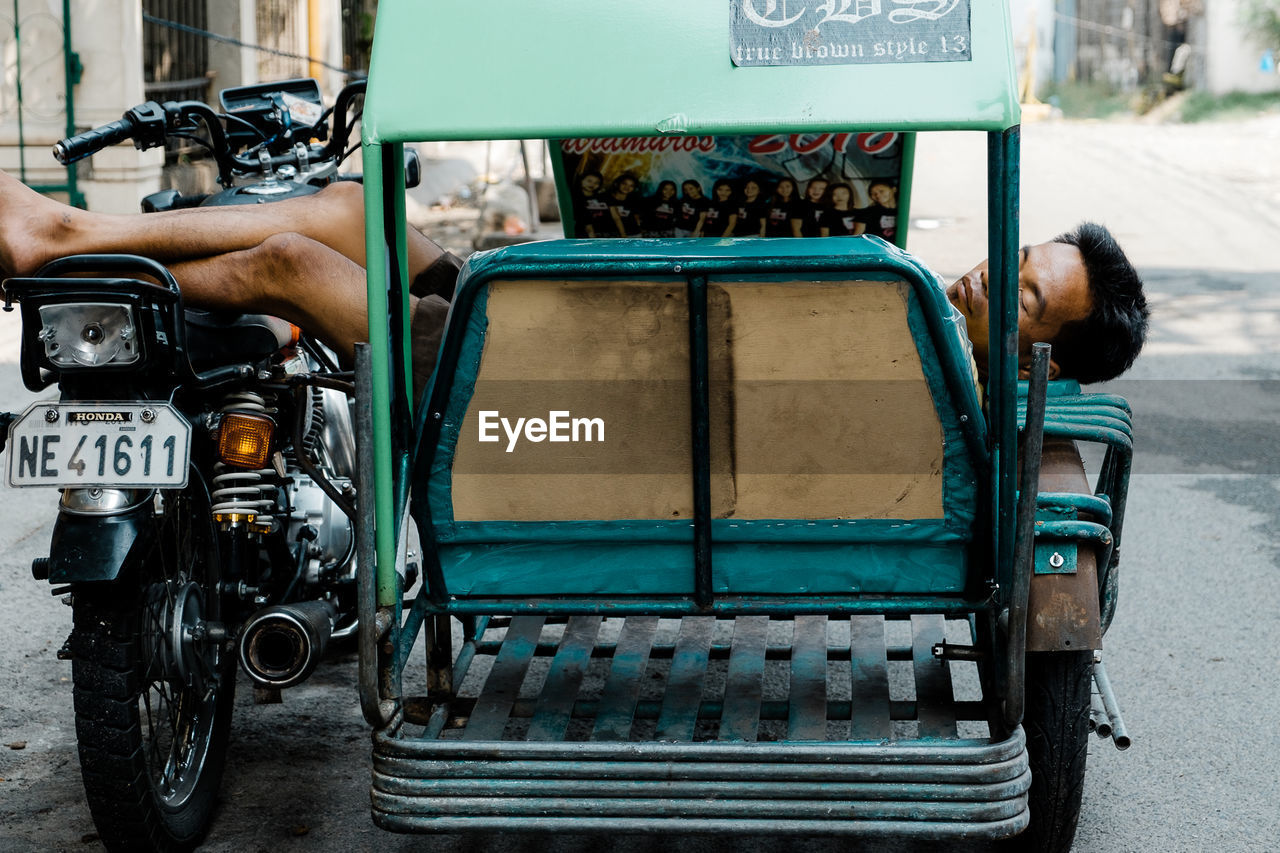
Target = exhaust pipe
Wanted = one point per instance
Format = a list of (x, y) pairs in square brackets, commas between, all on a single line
[(281, 645)]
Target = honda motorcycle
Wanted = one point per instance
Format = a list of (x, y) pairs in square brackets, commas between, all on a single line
[(205, 463)]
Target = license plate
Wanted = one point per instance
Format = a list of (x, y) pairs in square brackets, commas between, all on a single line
[(110, 445)]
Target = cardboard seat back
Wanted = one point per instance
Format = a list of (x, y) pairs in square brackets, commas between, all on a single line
[(836, 450)]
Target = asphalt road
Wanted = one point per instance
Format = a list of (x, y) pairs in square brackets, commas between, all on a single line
[(1192, 652)]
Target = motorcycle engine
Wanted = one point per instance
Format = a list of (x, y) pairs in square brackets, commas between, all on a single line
[(332, 446), (332, 551)]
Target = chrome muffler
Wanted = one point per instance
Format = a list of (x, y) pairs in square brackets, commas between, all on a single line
[(281, 645)]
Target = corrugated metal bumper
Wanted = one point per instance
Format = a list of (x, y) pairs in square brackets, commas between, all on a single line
[(927, 789)]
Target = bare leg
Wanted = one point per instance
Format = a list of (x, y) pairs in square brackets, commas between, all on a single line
[(35, 229), (290, 276)]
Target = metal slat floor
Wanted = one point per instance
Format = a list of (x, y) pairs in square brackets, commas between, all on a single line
[(808, 724), (700, 678)]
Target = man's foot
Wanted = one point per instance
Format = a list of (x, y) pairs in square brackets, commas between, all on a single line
[(31, 227)]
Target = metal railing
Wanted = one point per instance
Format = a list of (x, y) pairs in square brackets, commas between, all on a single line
[(33, 22), (175, 61)]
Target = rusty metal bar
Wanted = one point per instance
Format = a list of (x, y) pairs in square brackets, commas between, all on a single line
[(502, 687), (933, 679), (807, 719), (714, 709), (1024, 536), (682, 698), (560, 690), (370, 631), (1119, 735), (870, 712), (622, 689), (744, 686), (975, 759)]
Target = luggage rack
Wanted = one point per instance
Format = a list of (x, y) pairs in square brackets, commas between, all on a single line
[(751, 724)]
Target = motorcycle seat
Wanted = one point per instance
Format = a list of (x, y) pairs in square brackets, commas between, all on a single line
[(215, 338)]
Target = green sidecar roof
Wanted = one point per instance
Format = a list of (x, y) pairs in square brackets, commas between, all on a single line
[(511, 69)]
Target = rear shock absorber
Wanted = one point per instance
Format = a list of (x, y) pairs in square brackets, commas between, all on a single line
[(244, 497)]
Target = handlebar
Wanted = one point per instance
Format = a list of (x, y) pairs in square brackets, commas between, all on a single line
[(148, 125), (77, 147)]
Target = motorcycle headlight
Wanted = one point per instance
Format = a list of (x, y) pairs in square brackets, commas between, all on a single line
[(89, 334)]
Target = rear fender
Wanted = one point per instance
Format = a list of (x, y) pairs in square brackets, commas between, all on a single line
[(1062, 610), (97, 547)]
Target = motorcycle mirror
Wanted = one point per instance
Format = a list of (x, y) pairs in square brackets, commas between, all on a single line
[(412, 169)]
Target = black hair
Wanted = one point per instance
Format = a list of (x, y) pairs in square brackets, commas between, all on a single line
[(625, 176), (831, 193), (826, 189), (1104, 344)]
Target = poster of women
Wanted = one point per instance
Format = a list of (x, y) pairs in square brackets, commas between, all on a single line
[(773, 185)]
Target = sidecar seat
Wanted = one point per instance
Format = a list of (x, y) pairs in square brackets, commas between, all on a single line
[(843, 435)]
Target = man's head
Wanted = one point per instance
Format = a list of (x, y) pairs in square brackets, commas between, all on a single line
[(1077, 292)]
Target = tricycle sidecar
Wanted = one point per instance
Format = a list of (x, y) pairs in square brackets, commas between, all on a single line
[(731, 531)]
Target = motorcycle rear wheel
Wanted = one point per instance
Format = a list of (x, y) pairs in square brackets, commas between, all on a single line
[(153, 691), (1057, 725)]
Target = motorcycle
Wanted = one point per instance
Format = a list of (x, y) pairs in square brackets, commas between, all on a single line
[(205, 462)]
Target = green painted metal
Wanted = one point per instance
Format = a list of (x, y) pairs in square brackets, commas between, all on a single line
[(568, 669), (850, 568), (724, 605), (617, 708), (771, 530), (642, 69), (1092, 504), (926, 786), (71, 70), (978, 94), (557, 569), (682, 699), (1045, 552), (1002, 366), (1104, 419), (906, 182), (946, 783), (380, 253)]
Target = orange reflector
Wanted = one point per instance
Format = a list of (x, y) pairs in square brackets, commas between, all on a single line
[(245, 440)]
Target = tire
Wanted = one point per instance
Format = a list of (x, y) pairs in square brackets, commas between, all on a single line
[(152, 722), (1056, 721)]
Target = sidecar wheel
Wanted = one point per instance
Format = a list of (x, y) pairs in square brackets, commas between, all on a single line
[(1056, 721), (154, 684)]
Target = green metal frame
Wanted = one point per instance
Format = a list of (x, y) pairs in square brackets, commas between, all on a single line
[(976, 95), (72, 70), (653, 97)]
